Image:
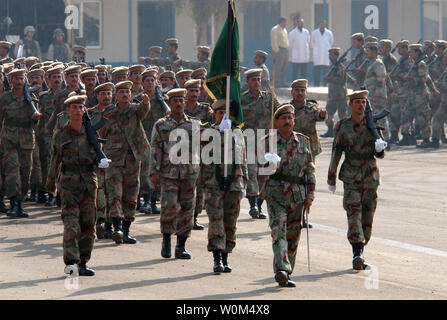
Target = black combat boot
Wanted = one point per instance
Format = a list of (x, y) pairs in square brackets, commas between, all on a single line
[(126, 238), (12, 208), (41, 197), (254, 213), (117, 235), (443, 137), (3, 208), (154, 208), (218, 266), (226, 266), (146, 207), (405, 140), (51, 200), (166, 246), (20, 212), (32, 196), (197, 226), (412, 140), (100, 228), (261, 214), (84, 270), (358, 260), (394, 137), (180, 251), (329, 133), (283, 280), (58, 200), (138, 203), (108, 230), (424, 144)]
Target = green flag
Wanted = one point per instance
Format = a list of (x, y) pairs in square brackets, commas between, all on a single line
[(225, 60)]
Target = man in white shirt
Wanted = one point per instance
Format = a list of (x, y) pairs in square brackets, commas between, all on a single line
[(299, 40), (322, 41), (280, 47)]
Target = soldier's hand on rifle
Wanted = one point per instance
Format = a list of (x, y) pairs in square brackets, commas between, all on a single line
[(331, 188), (145, 98), (155, 178), (308, 204), (36, 116), (380, 145)]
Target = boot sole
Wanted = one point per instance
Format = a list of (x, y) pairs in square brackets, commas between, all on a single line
[(218, 270)]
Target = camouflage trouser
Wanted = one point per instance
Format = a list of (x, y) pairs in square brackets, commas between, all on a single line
[(2, 173), (36, 171), (223, 209), (146, 186), (417, 109), (252, 183), (177, 204), (439, 119), (435, 102), (44, 145), (285, 222), (17, 165), (360, 203), (79, 218), (397, 107), (382, 122), (333, 106), (200, 192), (101, 201), (122, 186)]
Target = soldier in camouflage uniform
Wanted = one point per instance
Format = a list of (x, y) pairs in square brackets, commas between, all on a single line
[(375, 83), (259, 61), (177, 180), (17, 136), (76, 158), (89, 78), (173, 56), (337, 102), (120, 74), (359, 173), (154, 58), (102, 74), (167, 80), (223, 195), (182, 77), (126, 146), (135, 72), (285, 192), (5, 46), (3, 208), (204, 113), (417, 108), (203, 61), (359, 61), (204, 96), (257, 112)]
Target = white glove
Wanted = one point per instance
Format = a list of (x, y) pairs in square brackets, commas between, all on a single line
[(225, 123), (332, 188), (244, 193), (380, 145), (272, 157), (104, 163)]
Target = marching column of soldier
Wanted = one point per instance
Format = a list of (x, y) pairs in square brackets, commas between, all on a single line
[(50, 110)]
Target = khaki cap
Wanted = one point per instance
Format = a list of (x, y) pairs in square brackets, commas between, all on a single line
[(31, 60), (287, 108), (157, 68), (83, 65), (46, 68), (123, 85), (137, 68), (429, 43), (167, 74), (171, 41), (386, 42), (156, 49), (108, 86), (403, 43), (73, 69), (416, 46), (183, 73), (5, 44), (371, 45), (89, 73), (334, 49), (176, 93), (219, 105), (200, 72), (36, 72), (149, 73), (120, 71), (19, 60), (55, 70), (36, 66), (299, 83), (79, 48), (358, 36), (17, 72), (7, 67), (441, 43), (203, 49), (101, 68), (253, 73), (261, 53), (371, 39), (194, 83), (76, 99), (361, 94)]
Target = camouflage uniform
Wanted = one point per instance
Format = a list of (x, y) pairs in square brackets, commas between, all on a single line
[(223, 206), (401, 89), (76, 159), (306, 117), (435, 70), (375, 82), (284, 192), (257, 113), (59, 106), (440, 116), (265, 77), (193, 65), (177, 180), (360, 176), (337, 101), (17, 137), (360, 75)]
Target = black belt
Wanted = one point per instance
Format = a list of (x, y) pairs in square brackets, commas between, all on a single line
[(18, 124), (287, 178), (77, 168), (359, 156)]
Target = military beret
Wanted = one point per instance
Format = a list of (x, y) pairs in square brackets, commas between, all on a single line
[(36, 66), (371, 39), (171, 41), (101, 68), (220, 104), (261, 53), (361, 94), (36, 72), (203, 49), (156, 49), (89, 73), (299, 83), (198, 73), (55, 70), (19, 60), (17, 72), (137, 68), (28, 29), (80, 99), (183, 73), (123, 85), (120, 71), (5, 44), (416, 46), (108, 86), (386, 42), (149, 73), (176, 93), (167, 74), (358, 36), (335, 50), (371, 45), (287, 108), (253, 73), (7, 67), (194, 83), (79, 48), (403, 43), (73, 69)]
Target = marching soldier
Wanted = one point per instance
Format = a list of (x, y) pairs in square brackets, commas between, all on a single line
[(135, 72), (257, 112), (359, 173), (120, 74), (203, 61), (89, 79), (5, 46), (171, 49), (359, 60), (167, 80), (201, 74), (154, 58), (182, 76), (75, 157), (259, 61), (429, 48), (177, 181), (284, 192), (102, 74)]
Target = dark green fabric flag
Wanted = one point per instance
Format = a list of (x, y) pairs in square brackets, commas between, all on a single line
[(222, 63)]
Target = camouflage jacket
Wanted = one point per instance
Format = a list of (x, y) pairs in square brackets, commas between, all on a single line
[(336, 83), (161, 147), (201, 111), (156, 112), (124, 133), (76, 158), (91, 102), (59, 106), (257, 111), (210, 174), (360, 61), (375, 83), (296, 162), (442, 86), (96, 115), (265, 77), (135, 93), (193, 65), (46, 108), (399, 83), (358, 144), (306, 117), (418, 79), (389, 61), (16, 121), (435, 68)]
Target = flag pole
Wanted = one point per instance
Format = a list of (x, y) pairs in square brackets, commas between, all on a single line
[(230, 21)]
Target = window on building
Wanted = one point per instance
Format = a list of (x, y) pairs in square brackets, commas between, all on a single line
[(205, 31), (319, 14), (90, 24), (432, 20)]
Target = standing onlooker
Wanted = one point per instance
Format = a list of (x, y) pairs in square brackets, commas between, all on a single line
[(31, 47), (299, 39), (58, 49), (322, 40), (280, 48)]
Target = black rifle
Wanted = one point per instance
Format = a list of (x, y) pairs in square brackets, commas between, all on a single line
[(91, 134), (339, 60), (371, 120), (27, 91), (6, 85), (399, 64), (415, 64), (159, 98)]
